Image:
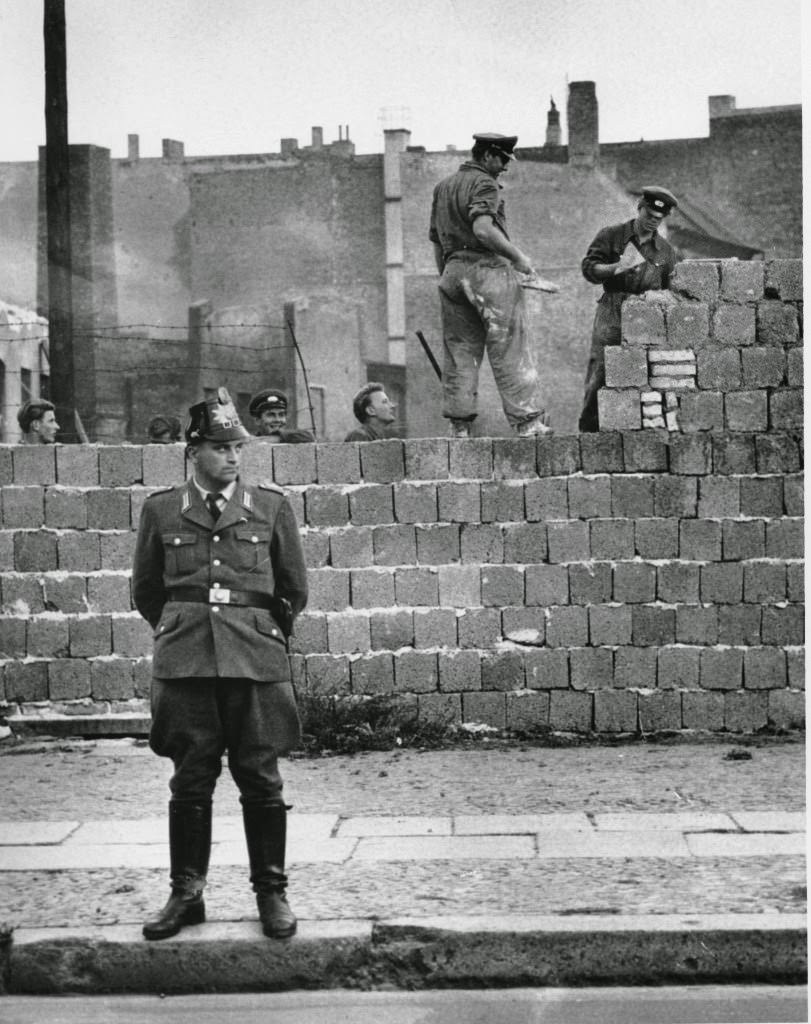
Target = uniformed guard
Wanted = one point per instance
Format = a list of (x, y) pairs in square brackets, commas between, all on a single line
[(219, 574)]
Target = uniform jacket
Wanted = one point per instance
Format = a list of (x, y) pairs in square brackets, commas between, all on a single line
[(609, 244), (457, 201), (254, 545)]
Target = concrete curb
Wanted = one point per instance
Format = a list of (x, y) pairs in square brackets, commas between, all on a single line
[(413, 953)]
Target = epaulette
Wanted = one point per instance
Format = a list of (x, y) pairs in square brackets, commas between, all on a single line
[(161, 490), (268, 486)]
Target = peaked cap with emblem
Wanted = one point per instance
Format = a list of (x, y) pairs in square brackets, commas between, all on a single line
[(505, 144), (270, 398), (215, 419), (659, 199)]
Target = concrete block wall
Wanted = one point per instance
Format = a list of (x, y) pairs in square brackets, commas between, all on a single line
[(620, 582), (722, 350)]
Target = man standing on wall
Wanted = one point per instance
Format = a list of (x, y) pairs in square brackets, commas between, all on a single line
[(627, 259), (37, 420), (219, 574), (375, 412), (480, 291)]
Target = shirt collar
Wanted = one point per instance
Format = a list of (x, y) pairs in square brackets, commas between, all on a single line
[(226, 493)]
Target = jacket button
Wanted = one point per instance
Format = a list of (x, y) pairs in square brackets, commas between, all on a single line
[(273, 632), (177, 540), (215, 538), (255, 540), (216, 561), (215, 607)]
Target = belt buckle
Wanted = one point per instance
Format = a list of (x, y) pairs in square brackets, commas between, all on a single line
[(219, 595)]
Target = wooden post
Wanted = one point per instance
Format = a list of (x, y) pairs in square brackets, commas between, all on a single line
[(57, 196)]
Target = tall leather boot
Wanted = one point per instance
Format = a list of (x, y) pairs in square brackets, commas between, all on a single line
[(266, 834), (189, 850)]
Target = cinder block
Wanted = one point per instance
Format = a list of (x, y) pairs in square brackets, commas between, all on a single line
[(762, 496), (795, 661), (23, 507), (619, 409), (784, 539), (625, 367), (426, 458), (739, 624), (108, 509), (310, 636), (615, 711), (721, 582), (741, 280), (348, 633), (777, 325), (652, 625), (443, 709), (369, 503), (132, 636), (79, 551), (22, 595), (514, 458), (25, 683), (786, 709), (612, 538), (677, 582), (745, 712), (316, 549), (764, 668), (117, 550), (696, 280), (482, 543), (719, 369), (591, 668), (634, 582), (471, 458), (733, 325), (746, 410), (677, 668), (700, 540), (479, 628), (437, 545), (590, 583), (793, 494), (764, 582), (763, 367), (720, 496), (568, 541), (77, 465), (696, 625), (69, 679), (525, 543), (435, 627), (643, 323), (328, 589), (415, 503), (395, 545), (502, 502), (743, 539), (164, 465), (337, 463), (326, 506), (111, 679), (546, 669), (777, 453), (794, 367), (701, 410), (12, 637), (368, 588), (795, 582), (703, 711), (416, 586), (632, 495), (635, 667), (690, 454), (34, 464), (570, 711), (34, 551), (547, 585), (546, 499), (391, 629), (373, 674), (527, 712), (459, 502), (327, 675), (676, 496), (659, 712), (351, 547), (523, 625), (688, 325), (559, 455), (645, 452), (503, 670), (6, 466), (656, 538), (90, 636), (459, 586), (294, 464), (502, 585), (721, 669), (786, 409), (141, 677), (487, 708), (784, 279), (783, 626), (459, 670), (589, 497), (66, 594), (383, 461), (120, 465), (567, 626), (601, 452), (609, 625)]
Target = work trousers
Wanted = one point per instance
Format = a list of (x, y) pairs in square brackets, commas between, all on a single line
[(483, 309), (606, 331), (195, 720)]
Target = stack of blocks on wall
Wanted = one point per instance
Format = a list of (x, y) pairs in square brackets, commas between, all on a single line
[(629, 581)]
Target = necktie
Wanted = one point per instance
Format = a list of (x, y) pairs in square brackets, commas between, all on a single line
[(213, 507)]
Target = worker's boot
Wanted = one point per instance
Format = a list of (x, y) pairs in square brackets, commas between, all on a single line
[(189, 850), (266, 834), (538, 425)]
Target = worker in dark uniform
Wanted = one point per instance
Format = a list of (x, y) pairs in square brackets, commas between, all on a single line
[(219, 575), (480, 292), (269, 410), (374, 411), (626, 259)]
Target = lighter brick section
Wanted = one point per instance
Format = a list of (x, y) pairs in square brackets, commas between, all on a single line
[(446, 848), (384, 826), (762, 844), (697, 821)]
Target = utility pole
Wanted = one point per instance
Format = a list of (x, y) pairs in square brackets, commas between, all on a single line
[(57, 200)]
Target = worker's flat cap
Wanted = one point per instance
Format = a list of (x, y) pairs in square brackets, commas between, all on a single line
[(503, 143), (658, 198)]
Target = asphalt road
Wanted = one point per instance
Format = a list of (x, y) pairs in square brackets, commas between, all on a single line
[(698, 1005)]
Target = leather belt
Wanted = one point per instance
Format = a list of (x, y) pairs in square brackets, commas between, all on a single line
[(222, 595)]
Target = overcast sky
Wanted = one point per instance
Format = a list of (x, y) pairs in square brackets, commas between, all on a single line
[(235, 76)]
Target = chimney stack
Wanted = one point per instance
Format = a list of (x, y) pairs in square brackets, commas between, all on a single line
[(318, 138), (172, 149), (721, 105), (133, 147), (581, 115), (552, 125), (289, 147)]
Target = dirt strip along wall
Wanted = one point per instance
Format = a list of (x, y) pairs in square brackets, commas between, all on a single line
[(640, 579)]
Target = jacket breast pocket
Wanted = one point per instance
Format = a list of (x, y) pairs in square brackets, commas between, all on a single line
[(179, 552), (252, 548)]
